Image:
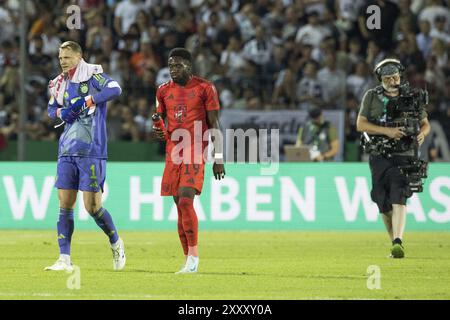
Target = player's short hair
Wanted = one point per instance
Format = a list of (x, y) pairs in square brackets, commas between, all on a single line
[(182, 53), (71, 45)]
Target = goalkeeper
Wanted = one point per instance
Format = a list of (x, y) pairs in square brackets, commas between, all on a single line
[(78, 97)]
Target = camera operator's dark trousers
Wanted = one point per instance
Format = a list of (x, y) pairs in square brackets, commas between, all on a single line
[(389, 185)]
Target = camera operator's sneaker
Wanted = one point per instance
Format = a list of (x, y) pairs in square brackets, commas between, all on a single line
[(397, 251)]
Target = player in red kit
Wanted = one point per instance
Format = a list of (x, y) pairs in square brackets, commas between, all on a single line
[(191, 106)]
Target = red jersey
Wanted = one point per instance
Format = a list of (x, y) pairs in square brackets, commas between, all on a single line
[(185, 108)]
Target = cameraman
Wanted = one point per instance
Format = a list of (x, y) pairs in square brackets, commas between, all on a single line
[(389, 185)]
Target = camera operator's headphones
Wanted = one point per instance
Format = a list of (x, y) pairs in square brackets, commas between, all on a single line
[(379, 67)]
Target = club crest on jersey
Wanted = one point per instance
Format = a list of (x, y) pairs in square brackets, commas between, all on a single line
[(83, 89), (180, 113)]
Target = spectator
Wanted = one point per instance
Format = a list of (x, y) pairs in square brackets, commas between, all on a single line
[(404, 7), (98, 33), (206, 63), (259, 49), (439, 30), (213, 25), (284, 95), (374, 54), (291, 22), (424, 38), (130, 41), (409, 54), (275, 15), (9, 83), (114, 121), (143, 22), (10, 130), (313, 32), (162, 76), (7, 23), (309, 90), (229, 30), (433, 9), (247, 21), (199, 39), (355, 50), (145, 58), (8, 55), (439, 51), (226, 96), (359, 81), (247, 94), (125, 15), (403, 26), (434, 75), (333, 82), (347, 16), (143, 119), (232, 59), (40, 63), (129, 129), (145, 85), (37, 28)]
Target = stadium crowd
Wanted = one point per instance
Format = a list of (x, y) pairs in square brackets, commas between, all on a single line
[(261, 54)]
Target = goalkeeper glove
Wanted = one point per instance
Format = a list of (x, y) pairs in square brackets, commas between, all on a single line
[(76, 106), (68, 116)]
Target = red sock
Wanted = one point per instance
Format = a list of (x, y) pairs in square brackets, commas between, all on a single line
[(181, 234), (189, 219)]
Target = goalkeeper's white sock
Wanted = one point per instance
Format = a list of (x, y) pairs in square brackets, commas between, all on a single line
[(65, 258), (116, 244)]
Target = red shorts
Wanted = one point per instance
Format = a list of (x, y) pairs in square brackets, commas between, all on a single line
[(181, 175)]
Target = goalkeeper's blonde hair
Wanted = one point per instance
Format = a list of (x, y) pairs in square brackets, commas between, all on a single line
[(71, 45)]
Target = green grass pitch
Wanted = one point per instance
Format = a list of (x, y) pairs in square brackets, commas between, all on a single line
[(233, 265)]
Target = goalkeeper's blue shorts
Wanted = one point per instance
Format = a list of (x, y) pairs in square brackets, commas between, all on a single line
[(81, 173)]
